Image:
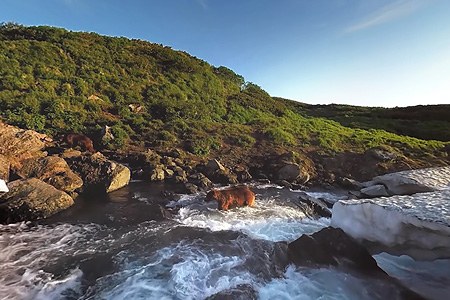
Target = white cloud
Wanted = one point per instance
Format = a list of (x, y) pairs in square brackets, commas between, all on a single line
[(387, 13)]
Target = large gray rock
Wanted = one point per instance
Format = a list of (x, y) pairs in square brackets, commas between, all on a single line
[(415, 181), (31, 199), (216, 172), (52, 170), (377, 190), (99, 174)]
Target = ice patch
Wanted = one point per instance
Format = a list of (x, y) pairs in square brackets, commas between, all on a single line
[(428, 278), (416, 225)]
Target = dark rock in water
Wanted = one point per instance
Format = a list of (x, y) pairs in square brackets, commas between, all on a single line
[(52, 170), (314, 206), (159, 213), (241, 292), (99, 174), (191, 188), (331, 247), (31, 199)]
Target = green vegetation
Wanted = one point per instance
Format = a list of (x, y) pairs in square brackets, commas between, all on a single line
[(58, 81)]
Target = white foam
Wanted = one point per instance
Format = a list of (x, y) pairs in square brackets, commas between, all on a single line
[(270, 219), (25, 251), (184, 271)]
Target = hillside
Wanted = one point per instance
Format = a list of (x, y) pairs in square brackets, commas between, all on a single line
[(56, 81)]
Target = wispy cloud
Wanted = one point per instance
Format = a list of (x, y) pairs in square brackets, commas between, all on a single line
[(387, 13), (202, 3)]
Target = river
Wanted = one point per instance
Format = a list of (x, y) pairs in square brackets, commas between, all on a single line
[(115, 248)]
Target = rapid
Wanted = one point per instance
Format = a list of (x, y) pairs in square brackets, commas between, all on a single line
[(117, 248)]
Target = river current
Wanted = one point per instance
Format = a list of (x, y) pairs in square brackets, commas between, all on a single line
[(115, 248)]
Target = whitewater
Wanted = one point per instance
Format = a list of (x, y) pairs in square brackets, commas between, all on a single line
[(110, 248)]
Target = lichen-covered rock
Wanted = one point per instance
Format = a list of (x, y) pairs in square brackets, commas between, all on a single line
[(217, 173), (18, 144), (52, 170), (31, 199), (99, 174), (4, 167)]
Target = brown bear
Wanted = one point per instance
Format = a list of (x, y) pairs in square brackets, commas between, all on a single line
[(80, 140), (232, 197)]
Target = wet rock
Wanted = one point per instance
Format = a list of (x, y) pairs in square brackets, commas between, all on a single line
[(18, 144), (200, 180), (241, 292), (292, 172), (99, 174), (377, 190), (4, 167), (331, 247), (52, 170), (313, 206), (31, 199), (190, 188), (168, 173)]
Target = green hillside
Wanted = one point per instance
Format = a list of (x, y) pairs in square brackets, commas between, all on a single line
[(57, 81)]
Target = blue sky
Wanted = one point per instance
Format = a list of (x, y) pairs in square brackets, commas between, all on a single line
[(368, 52)]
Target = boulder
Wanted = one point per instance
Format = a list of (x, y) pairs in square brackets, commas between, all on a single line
[(292, 172), (398, 184), (18, 144), (190, 188), (377, 190), (200, 180), (31, 199), (4, 167), (100, 175), (218, 173), (331, 247), (52, 170)]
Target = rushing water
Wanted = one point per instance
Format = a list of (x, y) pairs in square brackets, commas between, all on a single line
[(113, 248)]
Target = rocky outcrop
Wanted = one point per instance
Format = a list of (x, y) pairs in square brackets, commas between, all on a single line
[(99, 174), (18, 144), (31, 199), (4, 167), (52, 170), (331, 247)]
